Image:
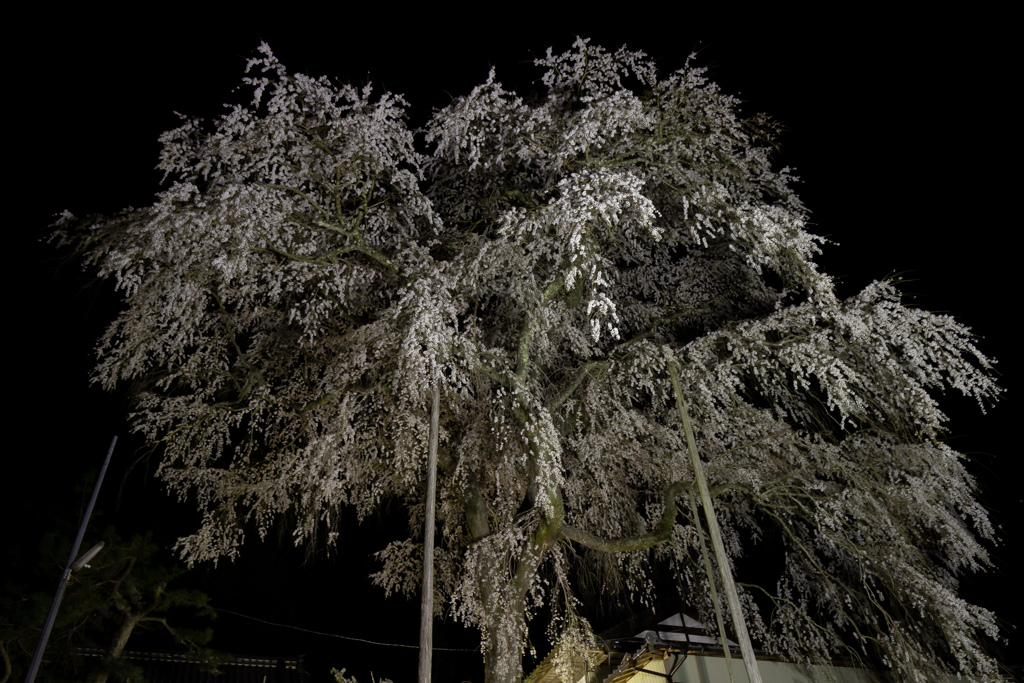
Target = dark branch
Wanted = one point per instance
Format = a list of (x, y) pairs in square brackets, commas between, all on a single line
[(659, 534)]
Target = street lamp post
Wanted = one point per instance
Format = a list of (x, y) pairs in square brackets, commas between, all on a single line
[(72, 564)]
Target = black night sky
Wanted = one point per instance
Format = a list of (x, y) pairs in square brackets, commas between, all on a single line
[(900, 131)]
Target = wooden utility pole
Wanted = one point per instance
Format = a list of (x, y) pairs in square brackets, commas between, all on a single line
[(427, 606), (731, 595), (711, 584)]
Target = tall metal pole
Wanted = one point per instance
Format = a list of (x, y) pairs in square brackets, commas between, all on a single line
[(731, 594), (51, 616), (711, 584), (427, 606)]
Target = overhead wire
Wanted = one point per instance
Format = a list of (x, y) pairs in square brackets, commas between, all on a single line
[(335, 635)]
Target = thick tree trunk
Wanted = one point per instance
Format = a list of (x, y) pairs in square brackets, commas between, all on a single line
[(503, 656), (7, 663), (117, 645), (505, 619)]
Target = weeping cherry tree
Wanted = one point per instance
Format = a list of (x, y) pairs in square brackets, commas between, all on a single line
[(314, 269)]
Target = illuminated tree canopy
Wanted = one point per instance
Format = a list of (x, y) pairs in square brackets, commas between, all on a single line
[(315, 268)]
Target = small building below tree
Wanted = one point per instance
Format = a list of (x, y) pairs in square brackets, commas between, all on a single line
[(669, 644)]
